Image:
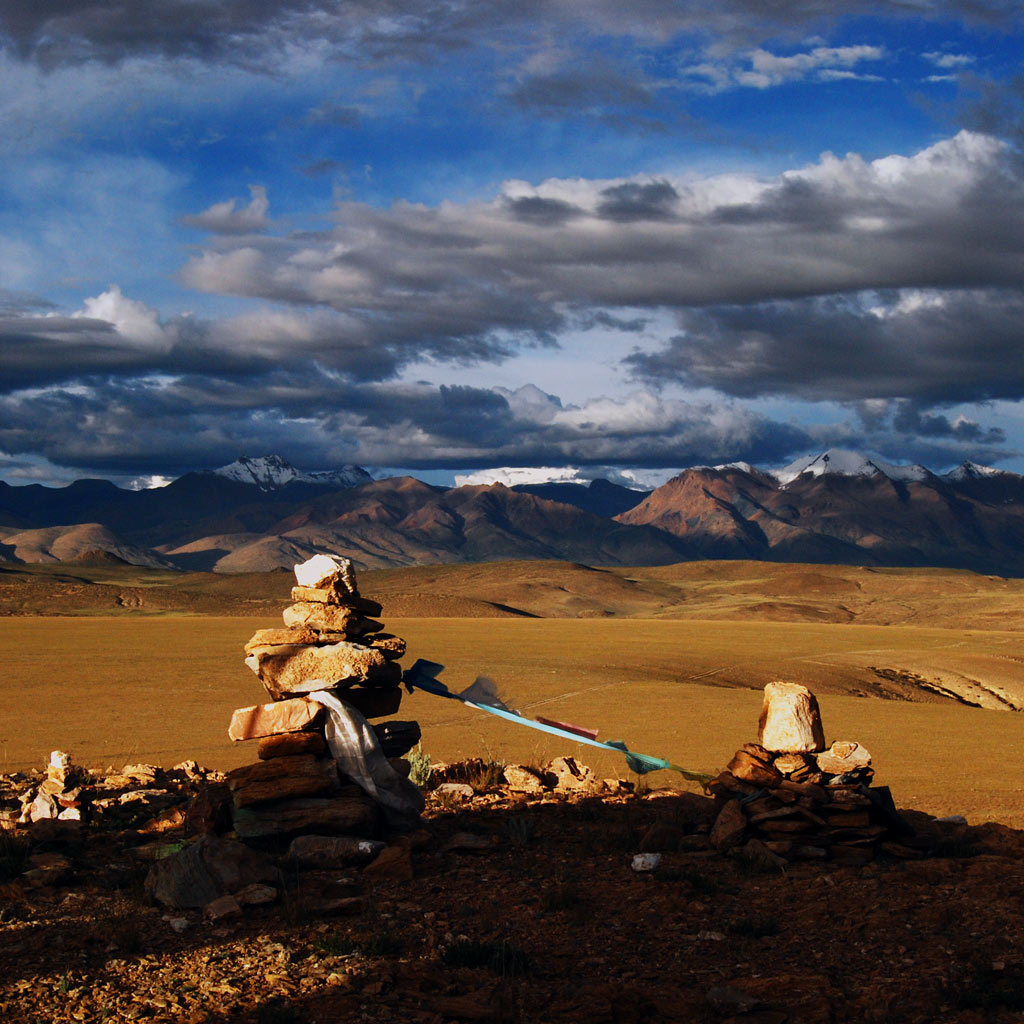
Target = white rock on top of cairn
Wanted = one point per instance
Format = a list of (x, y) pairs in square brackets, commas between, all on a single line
[(326, 568), (790, 720)]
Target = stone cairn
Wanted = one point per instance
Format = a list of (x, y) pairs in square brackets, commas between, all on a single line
[(788, 797), (331, 641)]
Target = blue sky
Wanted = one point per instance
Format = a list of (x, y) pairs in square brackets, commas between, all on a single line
[(453, 238)]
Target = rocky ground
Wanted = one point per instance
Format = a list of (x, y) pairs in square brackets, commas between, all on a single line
[(508, 907)]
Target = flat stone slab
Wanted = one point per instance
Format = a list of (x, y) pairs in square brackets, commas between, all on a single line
[(337, 618), (283, 777), (282, 716), (285, 671), (353, 815)]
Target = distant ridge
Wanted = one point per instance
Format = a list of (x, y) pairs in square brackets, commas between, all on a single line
[(262, 513), (844, 507)]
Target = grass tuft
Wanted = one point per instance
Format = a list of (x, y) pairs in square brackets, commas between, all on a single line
[(419, 767)]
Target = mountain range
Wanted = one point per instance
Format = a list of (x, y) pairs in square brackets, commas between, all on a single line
[(259, 514)]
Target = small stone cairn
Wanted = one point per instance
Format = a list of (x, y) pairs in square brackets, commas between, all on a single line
[(788, 797), (333, 642)]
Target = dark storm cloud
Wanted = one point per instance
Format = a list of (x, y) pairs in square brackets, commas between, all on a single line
[(954, 347), (241, 31), (169, 427), (634, 201), (542, 212), (909, 418)]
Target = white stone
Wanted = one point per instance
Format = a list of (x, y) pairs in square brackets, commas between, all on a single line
[(646, 862), (790, 721), (321, 569)]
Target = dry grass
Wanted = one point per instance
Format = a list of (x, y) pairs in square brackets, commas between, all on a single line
[(679, 679)]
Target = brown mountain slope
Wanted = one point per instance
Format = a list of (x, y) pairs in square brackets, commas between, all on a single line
[(731, 513), (402, 521), (68, 543)]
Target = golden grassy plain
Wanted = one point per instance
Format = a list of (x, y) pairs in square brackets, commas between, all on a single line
[(162, 688)]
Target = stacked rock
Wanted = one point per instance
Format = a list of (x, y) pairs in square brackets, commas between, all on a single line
[(331, 646), (58, 796), (789, 797)]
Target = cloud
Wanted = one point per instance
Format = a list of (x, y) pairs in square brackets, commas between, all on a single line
[(168, 426), (767, 69), (635, 201), (949, 61), (943, 348), (224, 219), (845, 281), (758, 271)]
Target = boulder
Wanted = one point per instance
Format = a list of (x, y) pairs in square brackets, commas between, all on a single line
[(206, 870), (729, 826), (333, 595), (790, 720), (745, 767), (281, 637), (521, 779), (397, 738), (371, 702), (570, 774)]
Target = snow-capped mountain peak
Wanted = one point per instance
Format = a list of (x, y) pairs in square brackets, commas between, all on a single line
[(842, 462), (271, 472), (972, 471)]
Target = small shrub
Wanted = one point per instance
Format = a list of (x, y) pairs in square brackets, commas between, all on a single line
[(486, 775), (419, 767), (502, 956)]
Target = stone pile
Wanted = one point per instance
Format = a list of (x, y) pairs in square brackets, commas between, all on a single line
[(66, 795), (789, 797), (332, 644)]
